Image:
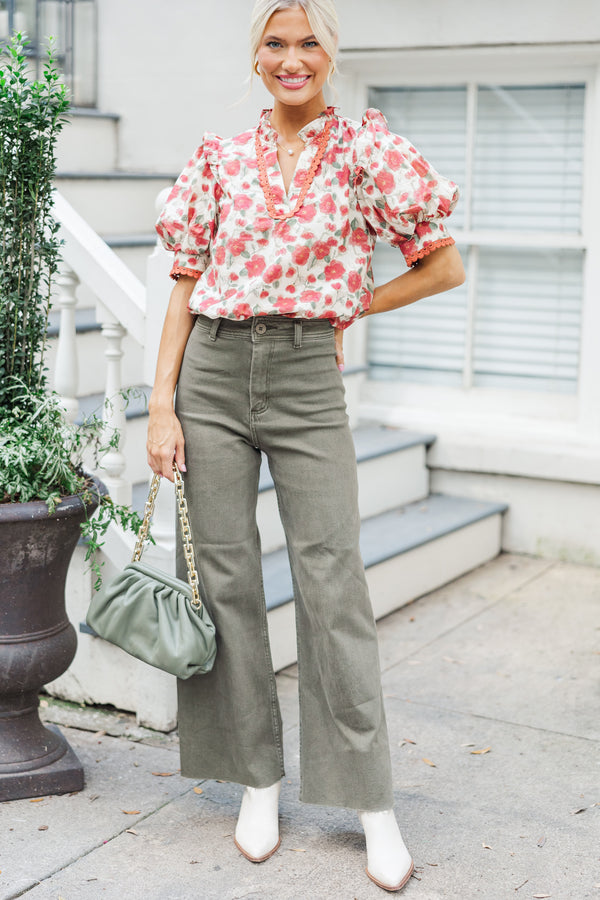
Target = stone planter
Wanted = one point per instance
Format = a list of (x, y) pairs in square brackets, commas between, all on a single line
[(37, 643)]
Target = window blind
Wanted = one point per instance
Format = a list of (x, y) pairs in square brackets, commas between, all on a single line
[(527, 322), (423, 342), (527, 176), (528, 162)]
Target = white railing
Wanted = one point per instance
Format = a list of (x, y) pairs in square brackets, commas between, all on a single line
[(96, 265), (66, 377), (124, 307)]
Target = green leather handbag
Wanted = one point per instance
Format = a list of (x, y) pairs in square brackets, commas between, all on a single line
[(154, 616)]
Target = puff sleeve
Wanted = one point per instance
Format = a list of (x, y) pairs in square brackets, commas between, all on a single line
[(399, 193), (188, 221)]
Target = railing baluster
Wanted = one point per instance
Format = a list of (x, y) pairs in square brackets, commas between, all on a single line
[(66, 376), (114, 461)]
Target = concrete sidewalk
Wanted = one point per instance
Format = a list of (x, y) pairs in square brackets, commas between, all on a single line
[(493, 700)]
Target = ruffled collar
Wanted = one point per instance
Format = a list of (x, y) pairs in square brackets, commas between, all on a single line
[(311, 130)]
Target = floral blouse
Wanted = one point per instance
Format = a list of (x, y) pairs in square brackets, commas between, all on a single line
[(370, 184)]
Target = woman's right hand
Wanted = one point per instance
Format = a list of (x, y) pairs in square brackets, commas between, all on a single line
[(165, 442)]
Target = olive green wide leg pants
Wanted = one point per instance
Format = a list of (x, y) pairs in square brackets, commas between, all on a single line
[(271, 384)]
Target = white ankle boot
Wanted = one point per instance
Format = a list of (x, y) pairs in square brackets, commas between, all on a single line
[(389, 863), (257, 829)]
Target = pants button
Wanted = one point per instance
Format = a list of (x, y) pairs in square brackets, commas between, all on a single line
[(261, 328)]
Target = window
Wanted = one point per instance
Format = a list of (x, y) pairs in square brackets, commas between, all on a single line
[(72, 23), (517, 154)]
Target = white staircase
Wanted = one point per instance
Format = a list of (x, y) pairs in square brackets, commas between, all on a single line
[(118, 204), (103, 337), (411, 541)]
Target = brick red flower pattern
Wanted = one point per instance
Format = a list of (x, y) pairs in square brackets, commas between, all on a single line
[(353, 184)]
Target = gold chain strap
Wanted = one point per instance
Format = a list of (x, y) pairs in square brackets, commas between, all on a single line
[(186, 533)]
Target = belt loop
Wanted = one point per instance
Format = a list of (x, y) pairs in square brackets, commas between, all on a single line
[(214, 328), (297, 334)]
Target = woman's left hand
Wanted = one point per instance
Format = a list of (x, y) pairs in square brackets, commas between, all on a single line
[(339, 348)]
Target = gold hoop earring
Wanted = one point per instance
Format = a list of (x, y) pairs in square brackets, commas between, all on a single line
[(256, 69)]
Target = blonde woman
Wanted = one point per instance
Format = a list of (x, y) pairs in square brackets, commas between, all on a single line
[(272, 233)]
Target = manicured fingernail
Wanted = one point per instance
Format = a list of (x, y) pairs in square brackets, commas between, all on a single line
[(341, 367), (182, 467)]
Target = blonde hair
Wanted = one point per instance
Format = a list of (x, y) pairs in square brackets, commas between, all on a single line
[(322, 18)]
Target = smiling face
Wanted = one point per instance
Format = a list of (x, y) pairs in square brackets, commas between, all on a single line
[(293, 65)]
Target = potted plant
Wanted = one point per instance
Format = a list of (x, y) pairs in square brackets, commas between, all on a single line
[(46, 498)]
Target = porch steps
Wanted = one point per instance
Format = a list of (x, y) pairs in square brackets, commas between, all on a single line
[(114, 199), (408, 552), (411, 542), (392, 472), (89, 141)]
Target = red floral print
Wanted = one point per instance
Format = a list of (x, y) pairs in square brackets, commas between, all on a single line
[(385, 181), (393, 159), (232, 167), (370, 184), (420, 166), (272, 274), (327, 205), (242, 202), (241, 311), (307, 213), (334, 270), (301, 255), (310, 297), (236, 246), (354, 281), (285, 304), (321, 249), (255, 265)]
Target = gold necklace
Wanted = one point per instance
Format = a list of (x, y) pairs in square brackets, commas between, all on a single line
[(287, 149)]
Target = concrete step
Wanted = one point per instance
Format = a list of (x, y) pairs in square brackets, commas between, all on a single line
[(134, 250), (392, 472), (88, 142), (408, 552), (112, 202)]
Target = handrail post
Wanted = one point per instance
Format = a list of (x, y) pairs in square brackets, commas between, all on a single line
[(66, 376), (113, 413)]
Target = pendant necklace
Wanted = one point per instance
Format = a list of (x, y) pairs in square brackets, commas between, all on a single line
[(264, 178), (287, 149)]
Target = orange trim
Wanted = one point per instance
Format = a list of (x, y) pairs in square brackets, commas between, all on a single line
[(429, 248), (263, 176), (176, 271)]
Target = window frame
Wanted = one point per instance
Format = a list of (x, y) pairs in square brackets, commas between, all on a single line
[(471, 68), (36, 49)]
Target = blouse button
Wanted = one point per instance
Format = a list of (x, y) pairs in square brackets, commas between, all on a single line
[(261, 328)]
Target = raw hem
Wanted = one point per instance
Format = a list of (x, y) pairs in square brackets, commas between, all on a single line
[(222, 776), (380, 807)]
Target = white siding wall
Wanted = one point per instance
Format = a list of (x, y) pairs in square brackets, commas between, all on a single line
[(175, 70), (449, 23)]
